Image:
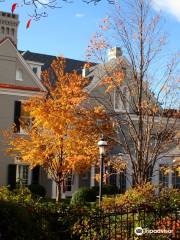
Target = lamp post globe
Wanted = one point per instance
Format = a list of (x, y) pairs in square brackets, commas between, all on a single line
[(102, 146)]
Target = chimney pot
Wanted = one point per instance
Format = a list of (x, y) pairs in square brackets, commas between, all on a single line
[(114, 53)]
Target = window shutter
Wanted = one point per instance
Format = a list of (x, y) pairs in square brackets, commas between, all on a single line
[(12, 175), (17, 114), (35, 175)]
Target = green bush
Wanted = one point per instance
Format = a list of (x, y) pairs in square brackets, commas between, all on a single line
[(168, 198), (37, 190), (133, 197), (19, 195), (83, 195), (107, 189), (16, 222)]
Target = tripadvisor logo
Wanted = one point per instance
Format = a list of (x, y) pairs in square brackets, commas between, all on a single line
[(140, 231)]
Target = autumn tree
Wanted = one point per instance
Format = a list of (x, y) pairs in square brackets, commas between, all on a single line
[(144, 84), (65, 129)]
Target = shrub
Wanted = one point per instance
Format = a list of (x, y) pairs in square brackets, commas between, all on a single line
[(107, 189), (19, 195), (16, 222), (83, 195), (168, 198), (37, 190), (133, 197)]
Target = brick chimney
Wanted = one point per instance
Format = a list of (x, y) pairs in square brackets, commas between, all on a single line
[(9, 26)]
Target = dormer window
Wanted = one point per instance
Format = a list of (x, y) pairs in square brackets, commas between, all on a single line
[(35, 70), (121, 99), (19, 75)]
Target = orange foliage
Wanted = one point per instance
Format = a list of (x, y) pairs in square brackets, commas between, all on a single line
[(65, 130), (112, 82)]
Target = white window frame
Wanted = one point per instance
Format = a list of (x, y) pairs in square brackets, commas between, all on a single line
[(120, 107), (36, 65), (19, 75), (20, 166)]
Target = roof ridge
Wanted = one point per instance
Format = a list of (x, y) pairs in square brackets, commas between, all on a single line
[(48, 55)]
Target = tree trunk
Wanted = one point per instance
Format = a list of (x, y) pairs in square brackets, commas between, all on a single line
[(58, 193), (139, 178)]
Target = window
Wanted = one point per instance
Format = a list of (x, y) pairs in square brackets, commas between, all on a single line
[(2, 30), (35, 70), (112, 176), (17, 114), (7, 31), (124, 92), (25, 119), (22, 118), (163, 178), (122, 182), (149, 173), (12, 31), (175, 179), (17, 174), (35, 175), (121, 99), (19, 75), (68, 182), (22, 175)]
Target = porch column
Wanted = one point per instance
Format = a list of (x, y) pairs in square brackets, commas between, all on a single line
[(93, 174), (54, 190)]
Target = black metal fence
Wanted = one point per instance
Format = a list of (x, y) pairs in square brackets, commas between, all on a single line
[(59, 222), (129, 224)]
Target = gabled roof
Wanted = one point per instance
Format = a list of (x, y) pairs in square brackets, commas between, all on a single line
[(99, 71), (71, 64), (40, 87)]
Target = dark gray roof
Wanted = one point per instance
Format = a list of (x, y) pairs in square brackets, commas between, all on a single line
[(71, 64)]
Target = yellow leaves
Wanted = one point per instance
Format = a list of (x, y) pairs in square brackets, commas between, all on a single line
[(113, 81), (149, 107), (64, 134), (118, 163)]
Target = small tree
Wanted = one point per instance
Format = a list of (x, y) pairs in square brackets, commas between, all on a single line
[(147, 128), (65, 131)]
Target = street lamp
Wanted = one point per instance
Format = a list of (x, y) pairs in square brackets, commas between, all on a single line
[(102, 151)]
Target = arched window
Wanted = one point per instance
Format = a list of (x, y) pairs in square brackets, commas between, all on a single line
[(7, 31), (2, 30), (12, 31)]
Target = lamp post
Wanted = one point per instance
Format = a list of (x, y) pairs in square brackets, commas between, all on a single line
[(102, 151)]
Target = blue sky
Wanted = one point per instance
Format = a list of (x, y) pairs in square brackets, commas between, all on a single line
[(67, 31)]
